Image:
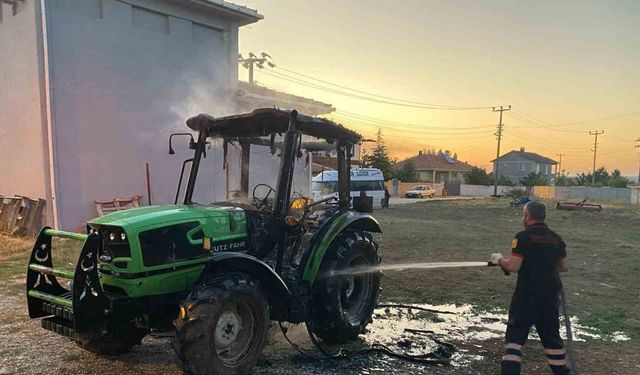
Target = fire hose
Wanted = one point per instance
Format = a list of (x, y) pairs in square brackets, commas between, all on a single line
[(567, 326), (421, 358)]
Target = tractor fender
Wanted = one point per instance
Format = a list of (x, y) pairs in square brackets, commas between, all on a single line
[(279, 296), (328, 232)]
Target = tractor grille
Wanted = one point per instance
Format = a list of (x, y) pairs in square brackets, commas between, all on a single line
[(113, 248)]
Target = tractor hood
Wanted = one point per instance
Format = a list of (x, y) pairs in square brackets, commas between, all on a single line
[(136, 218)]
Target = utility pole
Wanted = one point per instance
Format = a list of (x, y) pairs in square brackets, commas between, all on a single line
[(498, 134), (595, 152), (638, 147), (559, 165), (252, 60)]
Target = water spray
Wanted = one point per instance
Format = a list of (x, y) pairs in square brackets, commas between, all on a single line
[(406, 266)]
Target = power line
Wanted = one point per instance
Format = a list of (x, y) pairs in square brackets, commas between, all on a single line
[(543, 142), (403, 124), (357, 94), (403, 132), (595, 152), (527, 118), (602, 119), (381, 96), (412, 130), (539, 123), (499, 135)]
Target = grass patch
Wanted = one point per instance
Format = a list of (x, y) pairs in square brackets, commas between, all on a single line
[(603, 255), (610, 320)]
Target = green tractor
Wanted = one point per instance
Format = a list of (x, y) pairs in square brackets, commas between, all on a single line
[(220, 273)]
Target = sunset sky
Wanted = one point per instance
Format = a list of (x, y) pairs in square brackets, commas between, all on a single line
[(565, 67)]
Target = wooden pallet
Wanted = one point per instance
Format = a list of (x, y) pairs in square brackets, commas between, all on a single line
[(117, 204), (21, 216)]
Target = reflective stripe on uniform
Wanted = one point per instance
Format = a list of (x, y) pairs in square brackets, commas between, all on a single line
[(512, 358), (555, 351), (557, 362), (512, 345)]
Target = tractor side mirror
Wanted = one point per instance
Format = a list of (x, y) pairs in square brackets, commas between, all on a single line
[(192, 143)]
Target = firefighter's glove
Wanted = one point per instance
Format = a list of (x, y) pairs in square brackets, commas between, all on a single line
[(495, 259)]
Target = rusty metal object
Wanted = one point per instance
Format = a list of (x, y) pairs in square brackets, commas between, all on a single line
[(578, 206)]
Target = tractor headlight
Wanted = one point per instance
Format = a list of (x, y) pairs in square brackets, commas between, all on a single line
[(123, 236), (112, 236)]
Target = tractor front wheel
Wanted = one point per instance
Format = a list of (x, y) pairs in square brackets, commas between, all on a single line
[(344, 300), (222, 326)]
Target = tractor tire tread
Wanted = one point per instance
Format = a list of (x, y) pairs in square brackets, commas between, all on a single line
[(328, 322), (193, 333)]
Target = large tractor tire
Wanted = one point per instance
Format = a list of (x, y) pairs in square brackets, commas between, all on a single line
[(112, 346), (222, 326), (343, 305)]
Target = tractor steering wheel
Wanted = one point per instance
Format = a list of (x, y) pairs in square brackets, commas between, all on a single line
[(261, 203)]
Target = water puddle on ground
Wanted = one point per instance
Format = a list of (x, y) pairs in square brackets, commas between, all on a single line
[(417, 330)]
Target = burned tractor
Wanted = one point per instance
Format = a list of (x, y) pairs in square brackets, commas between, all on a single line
[(219, 273)]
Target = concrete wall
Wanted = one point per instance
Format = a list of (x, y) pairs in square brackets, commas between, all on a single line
[(123, 78), (23, 155), (582, 192), (635, 195), (481, 190)]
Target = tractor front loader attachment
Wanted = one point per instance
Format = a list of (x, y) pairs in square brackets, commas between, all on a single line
[(77, 311)]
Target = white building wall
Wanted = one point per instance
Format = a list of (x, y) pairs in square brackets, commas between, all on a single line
[(481, 190), (23, 156), (123, 77)]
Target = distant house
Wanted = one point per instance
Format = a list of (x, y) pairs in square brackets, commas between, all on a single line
[(436, 167), (515, 165)]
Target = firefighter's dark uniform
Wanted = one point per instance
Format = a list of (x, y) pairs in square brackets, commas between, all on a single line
[(536, 298)]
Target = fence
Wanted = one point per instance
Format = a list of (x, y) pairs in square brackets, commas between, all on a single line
[(21, 216), (481, 190), (540, 192), (581, 192)]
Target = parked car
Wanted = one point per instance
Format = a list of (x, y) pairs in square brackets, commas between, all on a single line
[(420, 191)]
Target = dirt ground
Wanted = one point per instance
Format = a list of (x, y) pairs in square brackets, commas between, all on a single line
[(602, 288)]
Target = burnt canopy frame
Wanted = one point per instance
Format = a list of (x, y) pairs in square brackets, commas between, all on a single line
[(253, 127), (266, 121)]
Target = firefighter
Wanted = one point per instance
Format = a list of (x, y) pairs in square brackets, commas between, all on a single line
[(538, 255)]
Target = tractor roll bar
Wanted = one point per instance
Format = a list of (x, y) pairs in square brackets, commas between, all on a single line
[(283, 188), (344, 173), (195, 165)]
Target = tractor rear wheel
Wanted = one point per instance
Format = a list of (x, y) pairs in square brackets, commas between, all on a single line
[(343, 304), (222, 326)]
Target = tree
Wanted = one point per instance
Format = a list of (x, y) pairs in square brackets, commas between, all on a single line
[(477, 176), (407, 173), (379, 158), (502, 180), (586, 178), (564, 180), (616, 180), (534, 179)]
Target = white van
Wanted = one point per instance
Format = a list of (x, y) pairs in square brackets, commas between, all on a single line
[(369, 180)]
